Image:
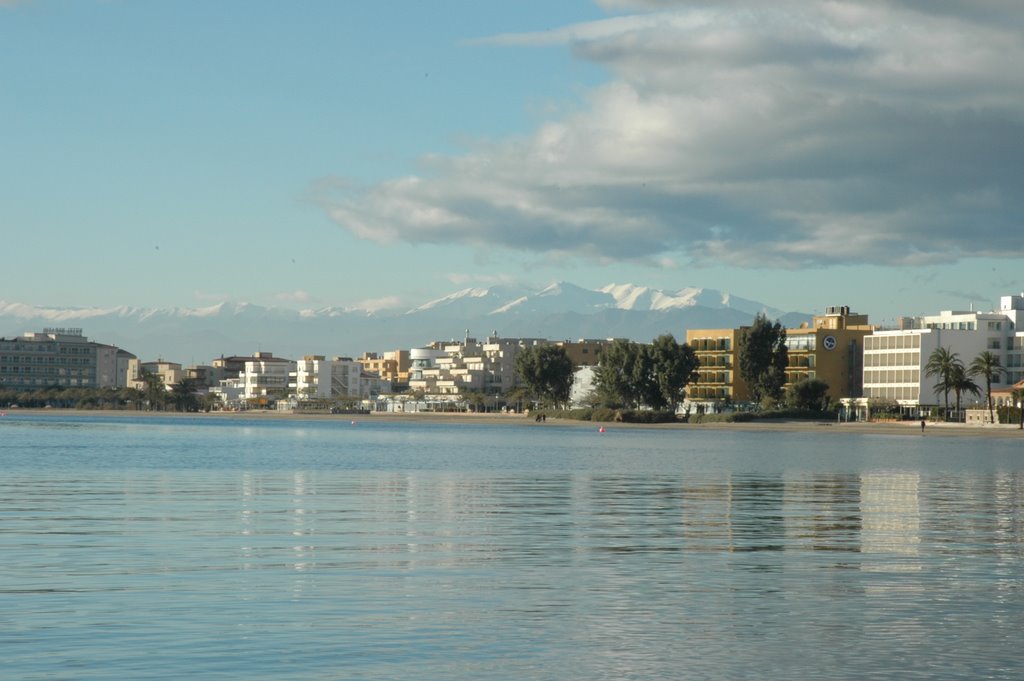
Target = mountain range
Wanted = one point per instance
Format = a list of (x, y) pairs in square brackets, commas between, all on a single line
[(560, 310)]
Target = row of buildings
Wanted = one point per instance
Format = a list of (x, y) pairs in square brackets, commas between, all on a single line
[(861, 362), (858, 361), (447, 371)]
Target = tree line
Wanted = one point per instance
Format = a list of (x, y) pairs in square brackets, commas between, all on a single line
[(628, 374), (656, 375)]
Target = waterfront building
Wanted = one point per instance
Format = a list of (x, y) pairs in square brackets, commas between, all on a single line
[(487, 366), (390, 366), (169, 373), (265, 376), (895, 360), (230, 392), (233, 366), (316, 377), (203, 374), (1004, 397), (61, 358), (423, 368), (829, 348), (718, 377), (461, 367)]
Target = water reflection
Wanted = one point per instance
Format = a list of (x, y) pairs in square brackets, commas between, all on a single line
[(891, 525), (601, 573)]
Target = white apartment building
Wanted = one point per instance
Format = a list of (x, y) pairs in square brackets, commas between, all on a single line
[(895, 360), (265, 375), (470, 365), (315, 377)]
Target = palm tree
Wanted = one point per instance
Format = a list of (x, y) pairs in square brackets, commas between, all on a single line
[(987, 364), (960, 382), (1018, 399), (942, 363)]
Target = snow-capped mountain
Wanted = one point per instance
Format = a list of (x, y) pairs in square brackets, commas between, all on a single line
[(564, 297), (560, 310), (473, 301)]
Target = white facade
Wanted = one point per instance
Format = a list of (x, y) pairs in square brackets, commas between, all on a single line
[(263, 376), (115, 368), (468, 366), (894, 361), (583, 385), (230, 391), (318, 378)]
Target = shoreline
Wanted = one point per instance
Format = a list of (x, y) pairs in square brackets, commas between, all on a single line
[(902, 428)]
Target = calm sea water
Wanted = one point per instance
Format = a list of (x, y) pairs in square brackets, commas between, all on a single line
[(218, 549)]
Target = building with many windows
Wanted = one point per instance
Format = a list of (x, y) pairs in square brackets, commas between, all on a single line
[(895, 361), (317, 378), (830, 348), (487, 366), (390, 366), (718, 379), (265, 376), (62, 358)]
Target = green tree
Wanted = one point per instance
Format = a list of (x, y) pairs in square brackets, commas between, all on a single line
[(672, 367), (621, 373), (942, 364), (209, 402), (810, 393), (475, 400), (763, 358), (515, 396), (1018, 399), (547, 371), (960, 383), (156, 393), (988, 366), (183, 394)]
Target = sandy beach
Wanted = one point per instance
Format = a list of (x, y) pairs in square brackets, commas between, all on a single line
[(905, 428)]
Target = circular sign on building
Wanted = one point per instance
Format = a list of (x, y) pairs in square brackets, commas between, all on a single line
[(829, 342)]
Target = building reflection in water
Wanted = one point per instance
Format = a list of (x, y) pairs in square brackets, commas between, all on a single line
[(890, 508)]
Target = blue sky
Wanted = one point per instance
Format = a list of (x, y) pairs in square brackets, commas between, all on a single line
[(374, 154)]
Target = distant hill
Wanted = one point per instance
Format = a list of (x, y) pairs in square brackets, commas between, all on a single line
[(559, 311)]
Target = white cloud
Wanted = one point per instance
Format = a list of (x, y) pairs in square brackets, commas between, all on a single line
[(798, 134), (297, 296), (377, 304)]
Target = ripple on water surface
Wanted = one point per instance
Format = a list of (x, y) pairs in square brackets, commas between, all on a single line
[(421, 552)]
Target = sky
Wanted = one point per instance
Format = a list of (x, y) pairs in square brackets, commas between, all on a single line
[(380, 154)]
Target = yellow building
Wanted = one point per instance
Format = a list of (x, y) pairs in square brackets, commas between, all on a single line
[(392, 366), (719, 375), (585, 351), (830, 348)]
